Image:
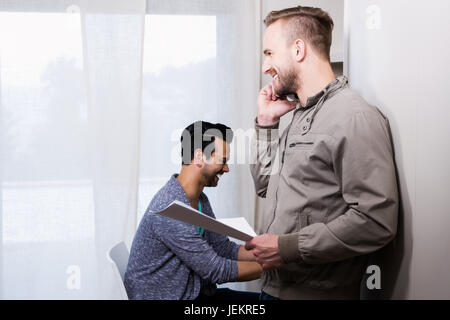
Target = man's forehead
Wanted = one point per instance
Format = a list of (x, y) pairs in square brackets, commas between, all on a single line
[(273, 35)]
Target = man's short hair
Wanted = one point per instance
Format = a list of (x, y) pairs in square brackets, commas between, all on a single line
[(314, 25), (201, 135)]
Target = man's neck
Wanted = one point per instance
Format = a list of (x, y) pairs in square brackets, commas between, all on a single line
[(315, 79), (192, 185)]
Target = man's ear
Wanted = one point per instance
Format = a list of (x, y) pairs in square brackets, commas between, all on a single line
[(300, 50), (198, 158)]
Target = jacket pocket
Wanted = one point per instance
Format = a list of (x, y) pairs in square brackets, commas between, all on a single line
[(303, 219), (296, 157), (307, 217), (301, 144)]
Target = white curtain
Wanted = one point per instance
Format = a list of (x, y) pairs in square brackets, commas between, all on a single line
[(93, 98)]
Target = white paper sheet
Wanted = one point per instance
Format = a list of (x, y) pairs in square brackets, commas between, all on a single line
[(237, 228), (240, 224)]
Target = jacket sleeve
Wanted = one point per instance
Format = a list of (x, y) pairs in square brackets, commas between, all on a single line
[(363, 162), (264, 149)]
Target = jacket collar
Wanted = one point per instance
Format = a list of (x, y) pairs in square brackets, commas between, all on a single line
[(332, 87)]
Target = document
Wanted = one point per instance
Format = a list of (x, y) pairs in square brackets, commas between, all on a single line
[(237, 228)]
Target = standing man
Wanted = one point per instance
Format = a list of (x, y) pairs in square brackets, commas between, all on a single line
[(329, 180)]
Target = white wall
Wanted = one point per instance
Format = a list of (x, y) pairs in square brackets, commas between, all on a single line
[(398, 59)]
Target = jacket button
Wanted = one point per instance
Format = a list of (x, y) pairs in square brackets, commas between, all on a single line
[(308, 120), (305, 128)]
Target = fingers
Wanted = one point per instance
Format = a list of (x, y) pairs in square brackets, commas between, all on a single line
[(293, 105), (273, 93), (265, 95), (265, 265), (268, 265), (269, 92), (264, 92), (249, 245)]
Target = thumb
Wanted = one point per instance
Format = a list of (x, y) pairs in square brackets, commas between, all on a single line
[(249, 245), (293, 105)]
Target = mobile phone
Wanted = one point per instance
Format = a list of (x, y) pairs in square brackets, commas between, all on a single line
[(290, 97)]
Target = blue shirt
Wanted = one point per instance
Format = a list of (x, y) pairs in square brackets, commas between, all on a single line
[(170, 260)]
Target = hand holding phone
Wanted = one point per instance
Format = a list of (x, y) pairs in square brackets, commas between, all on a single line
[(272, 107)]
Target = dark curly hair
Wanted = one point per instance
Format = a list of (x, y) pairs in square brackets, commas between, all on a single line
[(200, 135)]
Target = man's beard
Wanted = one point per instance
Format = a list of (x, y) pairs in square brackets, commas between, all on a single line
[(288, 83), (211, 179)]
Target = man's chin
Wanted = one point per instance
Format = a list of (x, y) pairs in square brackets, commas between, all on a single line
[(286, 85), (213, 182), (212, 185)]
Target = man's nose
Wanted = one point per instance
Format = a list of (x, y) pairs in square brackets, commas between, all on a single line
[(225, 168), (266, 68)]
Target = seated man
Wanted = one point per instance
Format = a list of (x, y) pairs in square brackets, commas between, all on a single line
[(172, 260)]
